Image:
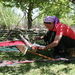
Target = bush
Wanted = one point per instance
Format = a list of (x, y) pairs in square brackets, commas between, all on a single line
[(7, 17), (67, 20)]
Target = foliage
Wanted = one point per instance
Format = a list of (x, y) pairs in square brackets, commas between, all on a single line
[(73, 18), (73, 1), (47, 7), (7, 17), (37, 68), (58, 8), (67, 20)]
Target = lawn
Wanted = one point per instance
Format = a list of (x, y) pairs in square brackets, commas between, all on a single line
[(36, 68)]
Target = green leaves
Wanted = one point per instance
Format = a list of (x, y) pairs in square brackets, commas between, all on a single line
[(7, 17), (58, 8)]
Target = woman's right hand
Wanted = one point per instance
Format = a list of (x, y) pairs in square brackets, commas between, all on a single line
[(38, 38), (34, 47)]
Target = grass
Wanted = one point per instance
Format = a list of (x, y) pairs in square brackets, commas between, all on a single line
[(37, 68)]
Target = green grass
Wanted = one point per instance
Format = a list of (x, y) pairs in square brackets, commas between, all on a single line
[(37, 68)]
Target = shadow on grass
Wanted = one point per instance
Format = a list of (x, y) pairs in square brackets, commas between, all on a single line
[(15, 70), (23, 69)]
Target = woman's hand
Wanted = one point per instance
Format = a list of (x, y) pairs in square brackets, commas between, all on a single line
[(41, 48), (38, 48), (34, 47), (38, 37)]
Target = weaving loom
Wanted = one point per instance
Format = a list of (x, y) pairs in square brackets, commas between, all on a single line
[(24, 46)]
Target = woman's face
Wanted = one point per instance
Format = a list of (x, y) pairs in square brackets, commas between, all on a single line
[(49, 26)]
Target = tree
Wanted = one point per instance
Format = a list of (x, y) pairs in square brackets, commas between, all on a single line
[(47, 7), (73, 1), (7, 17)]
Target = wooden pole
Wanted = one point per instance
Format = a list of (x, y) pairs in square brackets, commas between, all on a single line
[(22, 49), (46, 57)]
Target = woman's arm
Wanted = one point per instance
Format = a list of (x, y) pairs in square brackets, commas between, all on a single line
[(51, 45), (55, 42)]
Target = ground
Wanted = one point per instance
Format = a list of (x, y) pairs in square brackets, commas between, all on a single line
[(36, 68)]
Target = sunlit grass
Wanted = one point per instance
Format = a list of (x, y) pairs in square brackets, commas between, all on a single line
[(36, 68)]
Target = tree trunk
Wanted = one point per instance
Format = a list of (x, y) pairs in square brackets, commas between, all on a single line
[(30, 15)]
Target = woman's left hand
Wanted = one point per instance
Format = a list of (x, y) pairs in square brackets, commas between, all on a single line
[(39, 48), (42, 48)]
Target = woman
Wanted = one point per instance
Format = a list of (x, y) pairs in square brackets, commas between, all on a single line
[(64, 36)]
